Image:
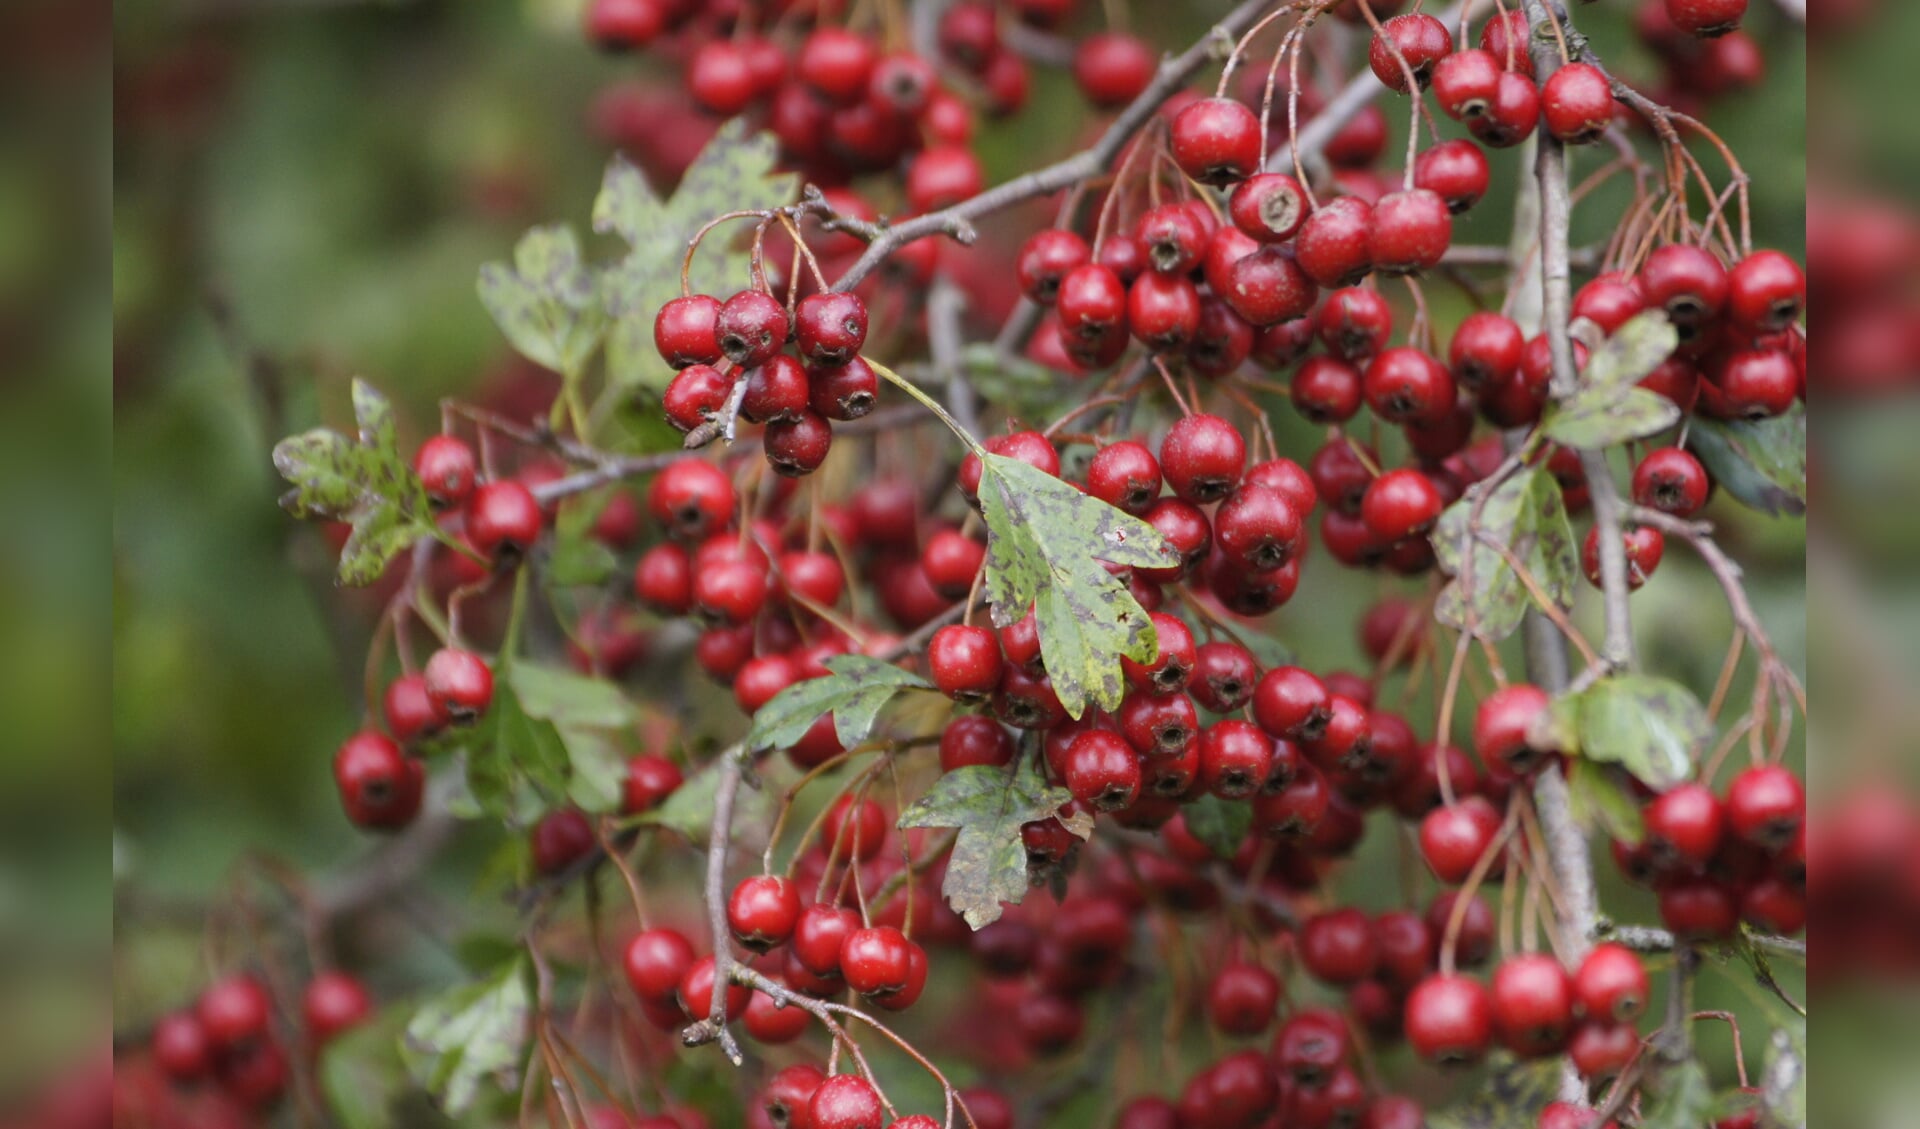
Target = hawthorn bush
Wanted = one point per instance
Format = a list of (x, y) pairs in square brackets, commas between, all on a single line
[(870, 652)]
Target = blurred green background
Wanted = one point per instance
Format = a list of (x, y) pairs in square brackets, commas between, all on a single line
[(302, 193)]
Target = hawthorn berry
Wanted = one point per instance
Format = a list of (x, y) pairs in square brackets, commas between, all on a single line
[(1355, 323), (447, 468), (1408, 44), (561, 838), (1047, 258), (1672, 481), (180, 1046), (1335, 243), (1405, 385), (1216, 141), (1766, 805), (380, 786), (459, 683), (691, 500), (1464, 83), (410, 711), (837, 63), (830, 328), (1401, 503), (1113, 68), (1202, 457), (1454, 837), (1503, 722), (1688, 282), (234, 1012), (1449, 1020), (1533, 1002), (1514, 113), (1644, 547), (1765, 292), (1611, 984), (876, 960), (1577, 103), (1706, 17), (503, 521), (1102, 770), (1268, 207), (332, 1003), (650, 778), (1457, 172)]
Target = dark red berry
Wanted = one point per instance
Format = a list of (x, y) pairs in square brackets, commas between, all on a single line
[(1326, 390), (1454, 837), (1706, 17), (1644, 547), (503, 521), (460, 683), (762, 911), (234, 1012), (1355, 323), (1269, 207), (1577, 103), (1464, 83), (876, 960), (1672, 481), (1456, 171), (1765, 292), (1405, 385), (691, 500), (1503, 722), (1113, 68), (332, 1003), (830, 328), (1216, 141), (1515, 111), (1449, 1020), (1401, 503), (560, 839), (1163, 310), (1048, 257), (1766, 806), (1410, 43), (1532, 1004), (380, 786), (180, 1046), (1334, 246), (1202, 457), (447, 469), (1611, 985), (1125, 475)]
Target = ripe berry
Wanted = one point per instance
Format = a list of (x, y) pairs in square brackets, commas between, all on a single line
[(1688, 282), (624, 25), (1699, 909), (1257, 528), (1611, 985), (446, 468), (845, 392), (1685, 825), (234, 1012), (1515, 111), (1163, 310), (1102, 770), (1242, 998), (1609, 301), (876, 960), (1405, 385), (1235, 759), (380, 786), (762, 911), (1292, 704), (410, 711), (1449, 1020), (1532, 1004), (1501, 725), (1765, 292), (1046, 259), (797, 446), (1269, 207), (1766, 805), (1411, 231), (691, 500), (1568, 1115), (1465, 82), (1224, 675), (1186, 528), (1113, 68), (1601, 1050), (751, 328), (1125, 475), (1407, 948), (1266, 288), (503, 521), (1173, 662), (1202, 457), (720, 78), (965, 662), (180, 1049), (1505, 38), (1216, 141), (837, 63), (1174, 237), (1401, 503), (830, 328), (1326, 390), (1577, 102), (1456, 171), (1453, 837), (650, 778), (560, 839), (1335, 244), (695, 992), (787, 1094), (1337, 947), (460, 683), (1752, 384), (333, 1002), (771, 1022), (1158, 725), (1413, 42), (1672, 481), (943, 176), (1355, 323), (1644, 547), (1047, 1023), (694, 395), (1706, 17), (1092, 303), (1311, 1045), (818, 935)]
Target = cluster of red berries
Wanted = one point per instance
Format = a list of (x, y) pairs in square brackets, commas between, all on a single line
[(228, 1036), (1715, 861), (380, 784), (715, 344)]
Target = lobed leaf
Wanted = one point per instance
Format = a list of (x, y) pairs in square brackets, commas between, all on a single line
[(1649, 726), (1046, 539), (518, 765), (361, 1075), (547, 301), (470, 1036), (1528, 516), (853, 694), (988, 806), (1606, 409)]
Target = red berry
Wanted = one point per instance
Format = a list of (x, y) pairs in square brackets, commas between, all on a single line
[(796, 447), (1048, 257), (1410, 43), (1174, 661), (1685, 825), (1765, 292), (830, 328), (1449, 1020), (460, 683), (845, 392), (1611, 985), (447, 469), (1502, 723), (1266, 288), (1672, 481), (1224, 675), (1158, 725), (694, 396), (695, 992), (1689, 283), (1355, 323), (410, 711), (1326, 390), (818, 935), (1102, 770), (1644, 548), (1457, 172), (1706, 17), (787, 1094), (1515, 111), (1216, 141), (1401, 503), (1092, 303), (623, 25), (234, 1012), (1113, 68), (1125, 475), (1242, 998), (837, 63), (1505, 37), (1577, 102), (503, 521), (943, 176), (1465, 82), (1292, 704), (1405, 385), (762, 911), (1609, 301), (1766, 806), (1532, 1004), (720, 78), (1163, 310), (1337, 947), (903, 83), (380, 786), (1601, 1050), (1186, 528), (1454, 837), (332, 1003), (691, 500), (1335, 244), (1202, 457), (876, 960), (1257, 528), (560, 839), (1236, 759), (180, 1046), (1174, 237), (1269, 207), (649, 780)]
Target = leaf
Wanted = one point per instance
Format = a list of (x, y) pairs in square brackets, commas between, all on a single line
[(517, 764), (580, 562), (853, 693), (1601, 800), (361, 1075), (1528, 516), (366, 484), (1648, 726), (547, 301), (1510, 1097), (735, 172), (1606, 408), (1221, 824), (1045, 541), (566, 698), (1023, 388), (1763, 463), (1678, 1096), (472, 1035), (988, 806), (1783, 1079), (689, 811)]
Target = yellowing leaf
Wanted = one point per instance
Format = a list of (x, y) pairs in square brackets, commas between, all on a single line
[(988, 805)]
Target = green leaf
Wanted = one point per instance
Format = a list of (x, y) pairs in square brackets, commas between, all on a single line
[(1606, 408), (1221, 824), (734, 172), (366, 484), (689, 811), (361, 1075), (1528, 516), (547, 301), (1510, 1097), (1023, 388), (1783, 1078), (580, 562), (1678, 1096), (853, 693), (1601, 800), (1649, 726), (565, 698), (470, 1036), (1045, 542), (1761, 462), (988, 805), (517, 764)]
